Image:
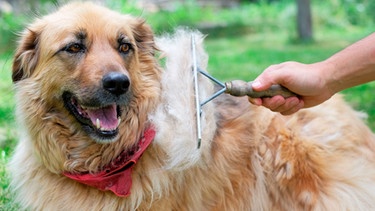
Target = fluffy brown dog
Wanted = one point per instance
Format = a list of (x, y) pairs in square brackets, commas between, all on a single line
[(104, 128)]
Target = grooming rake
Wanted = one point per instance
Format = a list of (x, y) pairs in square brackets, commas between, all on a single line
[(235, 88)]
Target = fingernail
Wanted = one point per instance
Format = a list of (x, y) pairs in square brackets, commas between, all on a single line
[(256, 84)]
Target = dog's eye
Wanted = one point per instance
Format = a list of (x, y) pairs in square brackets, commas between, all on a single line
[(75, 48), (124, 48)]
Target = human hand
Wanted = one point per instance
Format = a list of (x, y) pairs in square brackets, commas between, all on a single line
[(308, 81)]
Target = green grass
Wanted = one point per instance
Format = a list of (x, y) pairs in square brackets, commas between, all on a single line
[(7, 130), (241, 43)]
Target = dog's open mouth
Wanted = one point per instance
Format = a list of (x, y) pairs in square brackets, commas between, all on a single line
[(101, 122)]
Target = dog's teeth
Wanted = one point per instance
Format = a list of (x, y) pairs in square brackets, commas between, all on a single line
[(98, 123), (118, 121)]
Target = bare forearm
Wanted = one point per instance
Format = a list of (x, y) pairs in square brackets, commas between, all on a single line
[(352, 66)]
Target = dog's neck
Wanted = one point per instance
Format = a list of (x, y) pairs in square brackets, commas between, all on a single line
[(116, 177)]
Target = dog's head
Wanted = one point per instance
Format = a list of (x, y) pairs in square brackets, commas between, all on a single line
[(92, 64)]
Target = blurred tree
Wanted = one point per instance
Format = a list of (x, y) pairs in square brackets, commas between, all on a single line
[(370, 8), (304, 20)]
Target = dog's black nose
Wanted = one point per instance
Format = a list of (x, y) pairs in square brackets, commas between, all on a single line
[(116, 83)]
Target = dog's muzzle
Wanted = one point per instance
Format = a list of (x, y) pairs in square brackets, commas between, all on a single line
[(100, 114)]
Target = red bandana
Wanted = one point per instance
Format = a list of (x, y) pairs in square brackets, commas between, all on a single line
[(117, 176)]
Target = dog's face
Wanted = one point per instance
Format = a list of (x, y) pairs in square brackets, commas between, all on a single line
[(91, 64)]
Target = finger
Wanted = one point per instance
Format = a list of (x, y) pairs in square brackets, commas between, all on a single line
[(262, 82), (287, 105), (274, 103), (258, 85), (268, 77), (255, 101), (294, 109)]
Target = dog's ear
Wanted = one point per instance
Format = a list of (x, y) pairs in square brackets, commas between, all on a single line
[(144, 37), (26, 56)]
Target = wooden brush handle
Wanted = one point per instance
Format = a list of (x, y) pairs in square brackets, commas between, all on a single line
[(242, 88)]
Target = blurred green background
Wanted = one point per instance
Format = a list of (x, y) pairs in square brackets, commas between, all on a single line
[(243, 38)]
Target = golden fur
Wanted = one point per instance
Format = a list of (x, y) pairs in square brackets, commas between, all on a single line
[(321, 158)]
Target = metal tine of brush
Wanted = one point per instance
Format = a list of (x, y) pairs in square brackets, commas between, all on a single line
[(221, 91), (210, 77), (196, 89), (198, 104), (215, 95)]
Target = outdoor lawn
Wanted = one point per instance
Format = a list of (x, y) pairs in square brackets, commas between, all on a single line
[(242, 41)]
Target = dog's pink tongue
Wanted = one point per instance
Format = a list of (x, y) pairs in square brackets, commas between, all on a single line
[(104, 118)]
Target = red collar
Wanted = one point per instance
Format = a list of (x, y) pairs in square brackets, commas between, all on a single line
[(117, 176)]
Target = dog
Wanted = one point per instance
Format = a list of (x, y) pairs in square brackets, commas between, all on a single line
[(106, 115)]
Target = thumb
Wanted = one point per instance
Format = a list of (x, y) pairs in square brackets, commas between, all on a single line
[(261, 83), (271, 75)]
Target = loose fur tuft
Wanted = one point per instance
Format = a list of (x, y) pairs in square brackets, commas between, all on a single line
[(177, 112)]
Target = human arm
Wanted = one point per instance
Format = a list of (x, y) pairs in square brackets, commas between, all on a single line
[(317, 82)]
